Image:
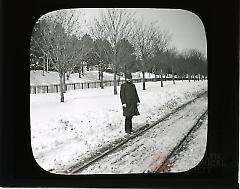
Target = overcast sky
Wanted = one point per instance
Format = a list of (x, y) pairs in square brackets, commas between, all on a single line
[(186, 28)]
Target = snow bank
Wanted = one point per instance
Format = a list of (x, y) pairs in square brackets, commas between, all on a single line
[(63, 133)]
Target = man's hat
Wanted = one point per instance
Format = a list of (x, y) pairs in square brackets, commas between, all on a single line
[(128, 76)]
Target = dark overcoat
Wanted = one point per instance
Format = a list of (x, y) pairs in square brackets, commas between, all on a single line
[(129, 96)]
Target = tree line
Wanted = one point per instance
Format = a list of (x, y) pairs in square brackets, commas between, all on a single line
[(114, 41)]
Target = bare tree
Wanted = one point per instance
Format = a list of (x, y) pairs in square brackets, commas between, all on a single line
[(161, 42), (126, 57), (197, 63), (113, 25), (57, 42), (37, 57), (159, 63), (172, 55), (143, 41), (85, 45), (104, 52)]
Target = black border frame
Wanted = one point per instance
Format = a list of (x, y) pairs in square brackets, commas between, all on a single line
[(218, 169)]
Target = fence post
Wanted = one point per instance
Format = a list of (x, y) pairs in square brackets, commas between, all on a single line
[(47, 89)]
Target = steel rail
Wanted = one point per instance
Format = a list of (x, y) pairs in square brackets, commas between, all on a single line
[(166, 164)]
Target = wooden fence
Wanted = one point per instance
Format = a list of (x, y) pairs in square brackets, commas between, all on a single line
[(87, 85)]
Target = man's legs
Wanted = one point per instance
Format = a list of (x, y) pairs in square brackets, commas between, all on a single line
[(128, 124)]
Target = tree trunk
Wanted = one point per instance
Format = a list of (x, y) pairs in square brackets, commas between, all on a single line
[(125, 71), (68, 75), (64, 83), (119, 80), (99, 72), (173, 77), (61, 87), (43, 67), (46, 64), (115, 81), (101, 77), (79, 72), (144, 86), (82, 69), (115, 71), (101, 83), (161, 78)]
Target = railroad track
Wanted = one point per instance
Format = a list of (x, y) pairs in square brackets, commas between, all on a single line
[(167, 163), (117, 144)]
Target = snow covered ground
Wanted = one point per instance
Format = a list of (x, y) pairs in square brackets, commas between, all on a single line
[(63, 133), (148, 151)]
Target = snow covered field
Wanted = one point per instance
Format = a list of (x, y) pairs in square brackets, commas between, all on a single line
[(63, 133)]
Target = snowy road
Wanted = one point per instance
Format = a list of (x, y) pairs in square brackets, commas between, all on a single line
[(147, 152)]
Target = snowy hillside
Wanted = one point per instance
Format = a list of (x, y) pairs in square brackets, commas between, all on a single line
[(37, 78), (62, 133)]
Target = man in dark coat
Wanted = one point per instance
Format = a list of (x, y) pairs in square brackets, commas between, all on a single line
[(130, 102)]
